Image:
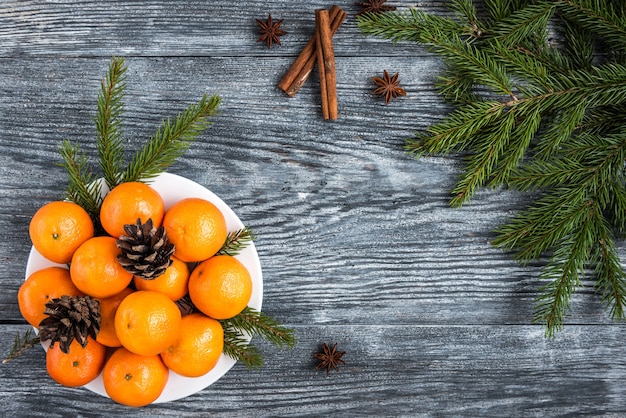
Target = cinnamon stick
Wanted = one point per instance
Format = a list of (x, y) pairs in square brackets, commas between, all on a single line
[(326, 64), (321, 67), (301, 68)]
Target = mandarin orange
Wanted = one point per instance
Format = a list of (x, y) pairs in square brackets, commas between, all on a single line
[(108, 308), (198, 347), (147, 322), (220, 287), (128, 202), (79, 366), (41, 287), (57, 229), (196, 227), (172, 283), (133, 379), (95, 269)]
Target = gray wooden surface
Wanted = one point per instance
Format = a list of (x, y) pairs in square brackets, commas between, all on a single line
[(356, 240)]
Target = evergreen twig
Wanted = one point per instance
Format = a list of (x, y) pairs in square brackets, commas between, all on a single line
[(538, 116), (256, 323), (21, 344), (237, 347), (250, 323), (602, 17), (161, 150), (236, 241), (82, 187), (171, 140), (109, 122)]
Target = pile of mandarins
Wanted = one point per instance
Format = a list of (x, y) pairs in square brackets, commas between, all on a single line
[(143, 333)]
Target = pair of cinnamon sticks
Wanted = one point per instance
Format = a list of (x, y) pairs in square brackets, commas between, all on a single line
[(320, 49)]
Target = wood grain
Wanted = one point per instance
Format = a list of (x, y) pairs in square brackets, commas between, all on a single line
[(398, 370), (356, 239), (158, 28)]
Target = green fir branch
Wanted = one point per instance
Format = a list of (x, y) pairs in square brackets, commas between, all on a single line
[(536, 114), (538, 174), (82, 187), (467, 10), (171, 140), (524, 24), (237, 347), (474, 63), (562, 127), (162, 150), (414, 26), (457, 131), (615, 209), (456, 88), (256, 323), (604, 120), (533, 75), (501, 9), (535, 230), (600, 17), (578, 42), (22, 344), (250, 323), (236, 241), (479, 166), (109, 122), (239, 329), (611, 283), (565, 270), (553, 302), (522, 136)]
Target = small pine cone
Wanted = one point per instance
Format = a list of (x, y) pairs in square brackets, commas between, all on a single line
[(146, 251), (70, 318)]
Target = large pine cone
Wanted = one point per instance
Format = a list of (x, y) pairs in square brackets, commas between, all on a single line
[(146, 251), (70, 318)]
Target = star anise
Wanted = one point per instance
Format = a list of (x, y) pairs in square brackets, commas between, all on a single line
[(270, 31), (374, 6), (388, 86), (329, 358)]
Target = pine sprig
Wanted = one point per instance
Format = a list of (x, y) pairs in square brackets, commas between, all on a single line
[(604, 18), (236, 241), (539, 116), (21, 344), (256, 323), (249, 323), (499, 10), (611, 283), (524, 24), (82, 187), (161, 150), (237, 347), (109, 122), (171, 140), (563, 275), (579, 42)]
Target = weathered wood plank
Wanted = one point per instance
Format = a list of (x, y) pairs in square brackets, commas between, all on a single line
[(397, 370), (180, 28)]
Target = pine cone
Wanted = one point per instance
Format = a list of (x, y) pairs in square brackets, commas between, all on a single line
[(146, 251), (70, 318)]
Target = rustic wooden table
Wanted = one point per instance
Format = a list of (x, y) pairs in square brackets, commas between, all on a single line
[(356, 239)]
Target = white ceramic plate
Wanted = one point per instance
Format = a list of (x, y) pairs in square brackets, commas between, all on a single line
[(174, 188)]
